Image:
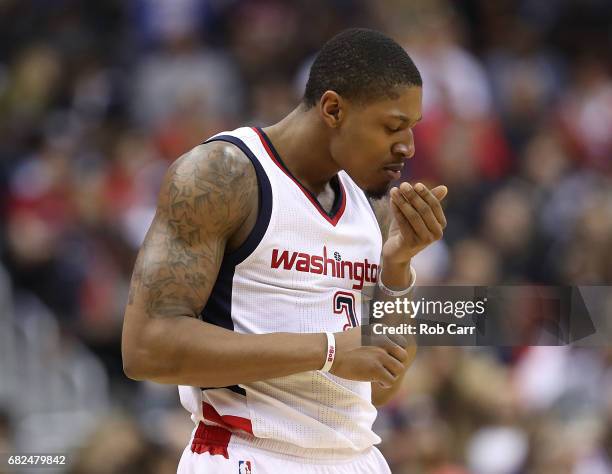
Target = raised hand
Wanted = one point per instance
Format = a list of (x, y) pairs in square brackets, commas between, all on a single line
[(418, 220)]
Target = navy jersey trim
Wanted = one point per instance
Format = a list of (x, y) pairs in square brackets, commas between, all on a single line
[(233, 388), (264, 212), (218, 308), (339, 204)]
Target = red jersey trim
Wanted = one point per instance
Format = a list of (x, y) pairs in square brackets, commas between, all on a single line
[(227, 421), (333, 220), (215, 439), (211, 439)]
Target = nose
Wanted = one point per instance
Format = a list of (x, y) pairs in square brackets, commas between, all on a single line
[(405, 147)]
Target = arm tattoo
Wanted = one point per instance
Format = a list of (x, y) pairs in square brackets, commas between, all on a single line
[(207, 194)]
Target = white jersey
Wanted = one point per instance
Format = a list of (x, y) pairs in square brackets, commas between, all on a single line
[(301, 270)]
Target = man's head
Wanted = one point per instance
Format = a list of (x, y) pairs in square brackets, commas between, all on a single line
[(368, 94)]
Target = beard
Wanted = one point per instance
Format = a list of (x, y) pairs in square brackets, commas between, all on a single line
[(374, 192), (379, 192)]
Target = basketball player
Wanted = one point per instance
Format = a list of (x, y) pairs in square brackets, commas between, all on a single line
[(246, 290)]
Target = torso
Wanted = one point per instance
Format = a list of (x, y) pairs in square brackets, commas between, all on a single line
[(297, 264)]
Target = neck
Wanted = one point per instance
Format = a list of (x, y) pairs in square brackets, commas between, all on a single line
[(301, 142)]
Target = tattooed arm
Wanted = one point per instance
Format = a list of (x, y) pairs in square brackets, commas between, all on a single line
[(208, 203)]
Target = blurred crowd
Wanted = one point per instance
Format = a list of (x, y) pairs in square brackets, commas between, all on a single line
[(97, 98)]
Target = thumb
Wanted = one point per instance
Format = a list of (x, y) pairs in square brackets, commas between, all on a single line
[(440, 192)]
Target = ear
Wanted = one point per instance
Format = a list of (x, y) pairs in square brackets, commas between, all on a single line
[(332, 108)]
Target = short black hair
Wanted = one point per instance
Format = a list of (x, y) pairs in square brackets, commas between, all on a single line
[(362, 65)]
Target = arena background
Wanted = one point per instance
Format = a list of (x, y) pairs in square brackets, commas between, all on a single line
[(97, 98)]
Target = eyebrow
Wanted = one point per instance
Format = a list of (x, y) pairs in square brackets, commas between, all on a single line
[(404, 118)]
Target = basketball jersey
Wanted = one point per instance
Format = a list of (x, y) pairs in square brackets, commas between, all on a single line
[(301, 270)]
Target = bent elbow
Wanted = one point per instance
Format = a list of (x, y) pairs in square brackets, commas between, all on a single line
[(136, 354), (138, 363), (149, 354), (131, 366), (143, 362)]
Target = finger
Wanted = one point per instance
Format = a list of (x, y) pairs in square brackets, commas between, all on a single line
[(411, 215), (385, 377), (401, 220), (423, 208), (394, 344), (432, 202), (418, 228), (440, 192), (398, 353), (398, 339), (388, 340), (409, 193), (394, 366), (385, 341)]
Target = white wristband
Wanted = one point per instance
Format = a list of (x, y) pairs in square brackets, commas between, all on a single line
[(390, 292), (331, 352)]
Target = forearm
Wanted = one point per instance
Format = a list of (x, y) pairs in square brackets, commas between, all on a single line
[(418, 220), (186, 351), (395, 277)]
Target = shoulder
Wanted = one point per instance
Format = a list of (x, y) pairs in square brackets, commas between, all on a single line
[(217, 163), (213, 183)]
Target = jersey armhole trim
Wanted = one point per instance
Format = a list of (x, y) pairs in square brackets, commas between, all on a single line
[(264, 212)]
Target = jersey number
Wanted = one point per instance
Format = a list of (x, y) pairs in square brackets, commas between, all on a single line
[(344, 302)]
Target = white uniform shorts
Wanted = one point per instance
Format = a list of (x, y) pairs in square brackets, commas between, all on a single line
[(244, 459)]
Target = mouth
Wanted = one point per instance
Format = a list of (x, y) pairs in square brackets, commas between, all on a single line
[(394, 171)]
